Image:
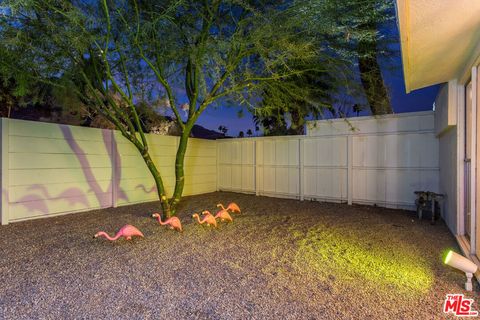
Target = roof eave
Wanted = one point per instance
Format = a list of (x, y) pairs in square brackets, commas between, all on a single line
[(401, 8)]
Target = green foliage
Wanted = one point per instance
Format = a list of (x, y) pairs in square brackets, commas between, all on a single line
[(287, 102), (345, 24), (348, 32), (355, 35), (114, 54), (223, 129), (104, 51)]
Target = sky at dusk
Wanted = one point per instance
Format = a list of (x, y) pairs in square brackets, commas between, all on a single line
[(418, 100)]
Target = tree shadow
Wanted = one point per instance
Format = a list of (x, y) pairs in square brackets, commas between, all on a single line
[(142, 187), (115, 161), (37, 201)]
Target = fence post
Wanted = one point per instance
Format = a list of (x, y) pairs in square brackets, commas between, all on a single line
[(255, 173), (301, 175), (4, 171), (350, 169), (114, 151), (218, 165)]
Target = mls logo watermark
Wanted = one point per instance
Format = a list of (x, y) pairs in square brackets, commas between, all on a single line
[(458, 305)]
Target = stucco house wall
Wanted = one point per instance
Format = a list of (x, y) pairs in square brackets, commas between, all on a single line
[(447, 136)]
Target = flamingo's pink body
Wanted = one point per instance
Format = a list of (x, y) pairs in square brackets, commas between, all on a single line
[(127, 231), (232, 206), (223, 215), (172, 223), (209, 219)]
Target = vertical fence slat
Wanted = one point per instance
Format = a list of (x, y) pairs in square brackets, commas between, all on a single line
[(255, 183), (350, 169), (256, 167), (218, 165), (113, 150), (4, 173), (301, 178)]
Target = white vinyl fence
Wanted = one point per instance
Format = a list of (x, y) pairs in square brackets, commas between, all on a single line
[(50, 169), (382, 162)]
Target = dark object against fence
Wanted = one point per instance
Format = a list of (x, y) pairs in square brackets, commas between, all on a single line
[(428, 201)]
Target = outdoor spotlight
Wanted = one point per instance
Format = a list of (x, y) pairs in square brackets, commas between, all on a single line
[(461, 263)]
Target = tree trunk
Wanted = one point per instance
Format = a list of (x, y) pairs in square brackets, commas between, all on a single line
[(372, 80), (159, 184), (298, 122), (179, 169)]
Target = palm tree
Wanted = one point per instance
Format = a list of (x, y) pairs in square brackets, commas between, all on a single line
[(223, 129)]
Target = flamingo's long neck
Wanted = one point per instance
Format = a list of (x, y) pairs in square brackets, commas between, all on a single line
[(104, 234), (221, 206), (159, 219), (198, 219)]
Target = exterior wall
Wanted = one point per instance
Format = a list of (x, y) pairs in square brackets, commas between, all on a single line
[(448, 177), (446, 130), (383, 161), (50, 169)]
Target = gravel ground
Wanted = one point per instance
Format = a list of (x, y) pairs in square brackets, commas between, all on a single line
[(279, 259)]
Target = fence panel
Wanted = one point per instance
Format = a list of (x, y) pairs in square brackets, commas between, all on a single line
[(382, 161), (56, 169), (50, 169), (236, 165)]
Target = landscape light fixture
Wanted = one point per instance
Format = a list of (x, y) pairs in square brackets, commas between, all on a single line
[(461, 263)]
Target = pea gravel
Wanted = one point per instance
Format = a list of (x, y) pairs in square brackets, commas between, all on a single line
[(279, 259)]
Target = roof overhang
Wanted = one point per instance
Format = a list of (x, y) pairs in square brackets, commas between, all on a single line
[(439, 39)]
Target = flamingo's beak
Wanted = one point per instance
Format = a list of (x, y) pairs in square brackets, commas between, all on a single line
[(95, 236)]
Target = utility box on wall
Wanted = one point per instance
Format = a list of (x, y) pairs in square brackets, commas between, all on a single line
[(446, 107)]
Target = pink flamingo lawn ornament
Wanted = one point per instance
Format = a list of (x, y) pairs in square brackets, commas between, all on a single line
[(127, 231), (231, 207), (223, 215), (209, 219), (173, 222)]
